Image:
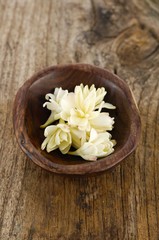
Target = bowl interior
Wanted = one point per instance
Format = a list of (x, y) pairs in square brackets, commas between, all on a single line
[(68, 78)]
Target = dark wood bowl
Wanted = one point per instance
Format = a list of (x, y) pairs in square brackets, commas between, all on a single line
[(28, 115)]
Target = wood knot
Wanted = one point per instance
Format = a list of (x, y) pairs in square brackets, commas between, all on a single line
[(135, 45)]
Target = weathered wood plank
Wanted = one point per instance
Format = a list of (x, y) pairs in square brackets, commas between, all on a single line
[(122, 36)]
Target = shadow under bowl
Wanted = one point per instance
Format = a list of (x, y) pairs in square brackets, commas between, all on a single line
[(28, 115)]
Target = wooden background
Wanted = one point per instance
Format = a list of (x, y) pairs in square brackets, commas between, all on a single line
[(122, 36)]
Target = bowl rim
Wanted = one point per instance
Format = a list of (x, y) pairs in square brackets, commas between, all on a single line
[(78, 169)]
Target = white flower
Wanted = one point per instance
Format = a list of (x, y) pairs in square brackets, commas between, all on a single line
[(57, 136), (83, 95), (54, 105), (87, 100), (99, 145), (81, 124), (86, 112)]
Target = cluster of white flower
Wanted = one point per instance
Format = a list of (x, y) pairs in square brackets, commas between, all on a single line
[(81, 124)]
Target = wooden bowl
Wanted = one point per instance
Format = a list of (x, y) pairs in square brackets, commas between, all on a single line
[(28, 115)]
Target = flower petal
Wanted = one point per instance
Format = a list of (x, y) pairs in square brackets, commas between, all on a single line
[(51, 146), (50, 120), (77, 121), (67, 103), (101, 138), (50, 130), (64, 147), (100, 93), (108, 106), (78, 137), (50, 97), (52, 106), (57, 137), (88, 152), (103, 122), (45, 142), (93, 135), (60, 93)]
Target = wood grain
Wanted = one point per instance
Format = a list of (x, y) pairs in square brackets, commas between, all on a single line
[(122, 36)]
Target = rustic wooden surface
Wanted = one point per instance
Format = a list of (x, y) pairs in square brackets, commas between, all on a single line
[(122, 36)]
